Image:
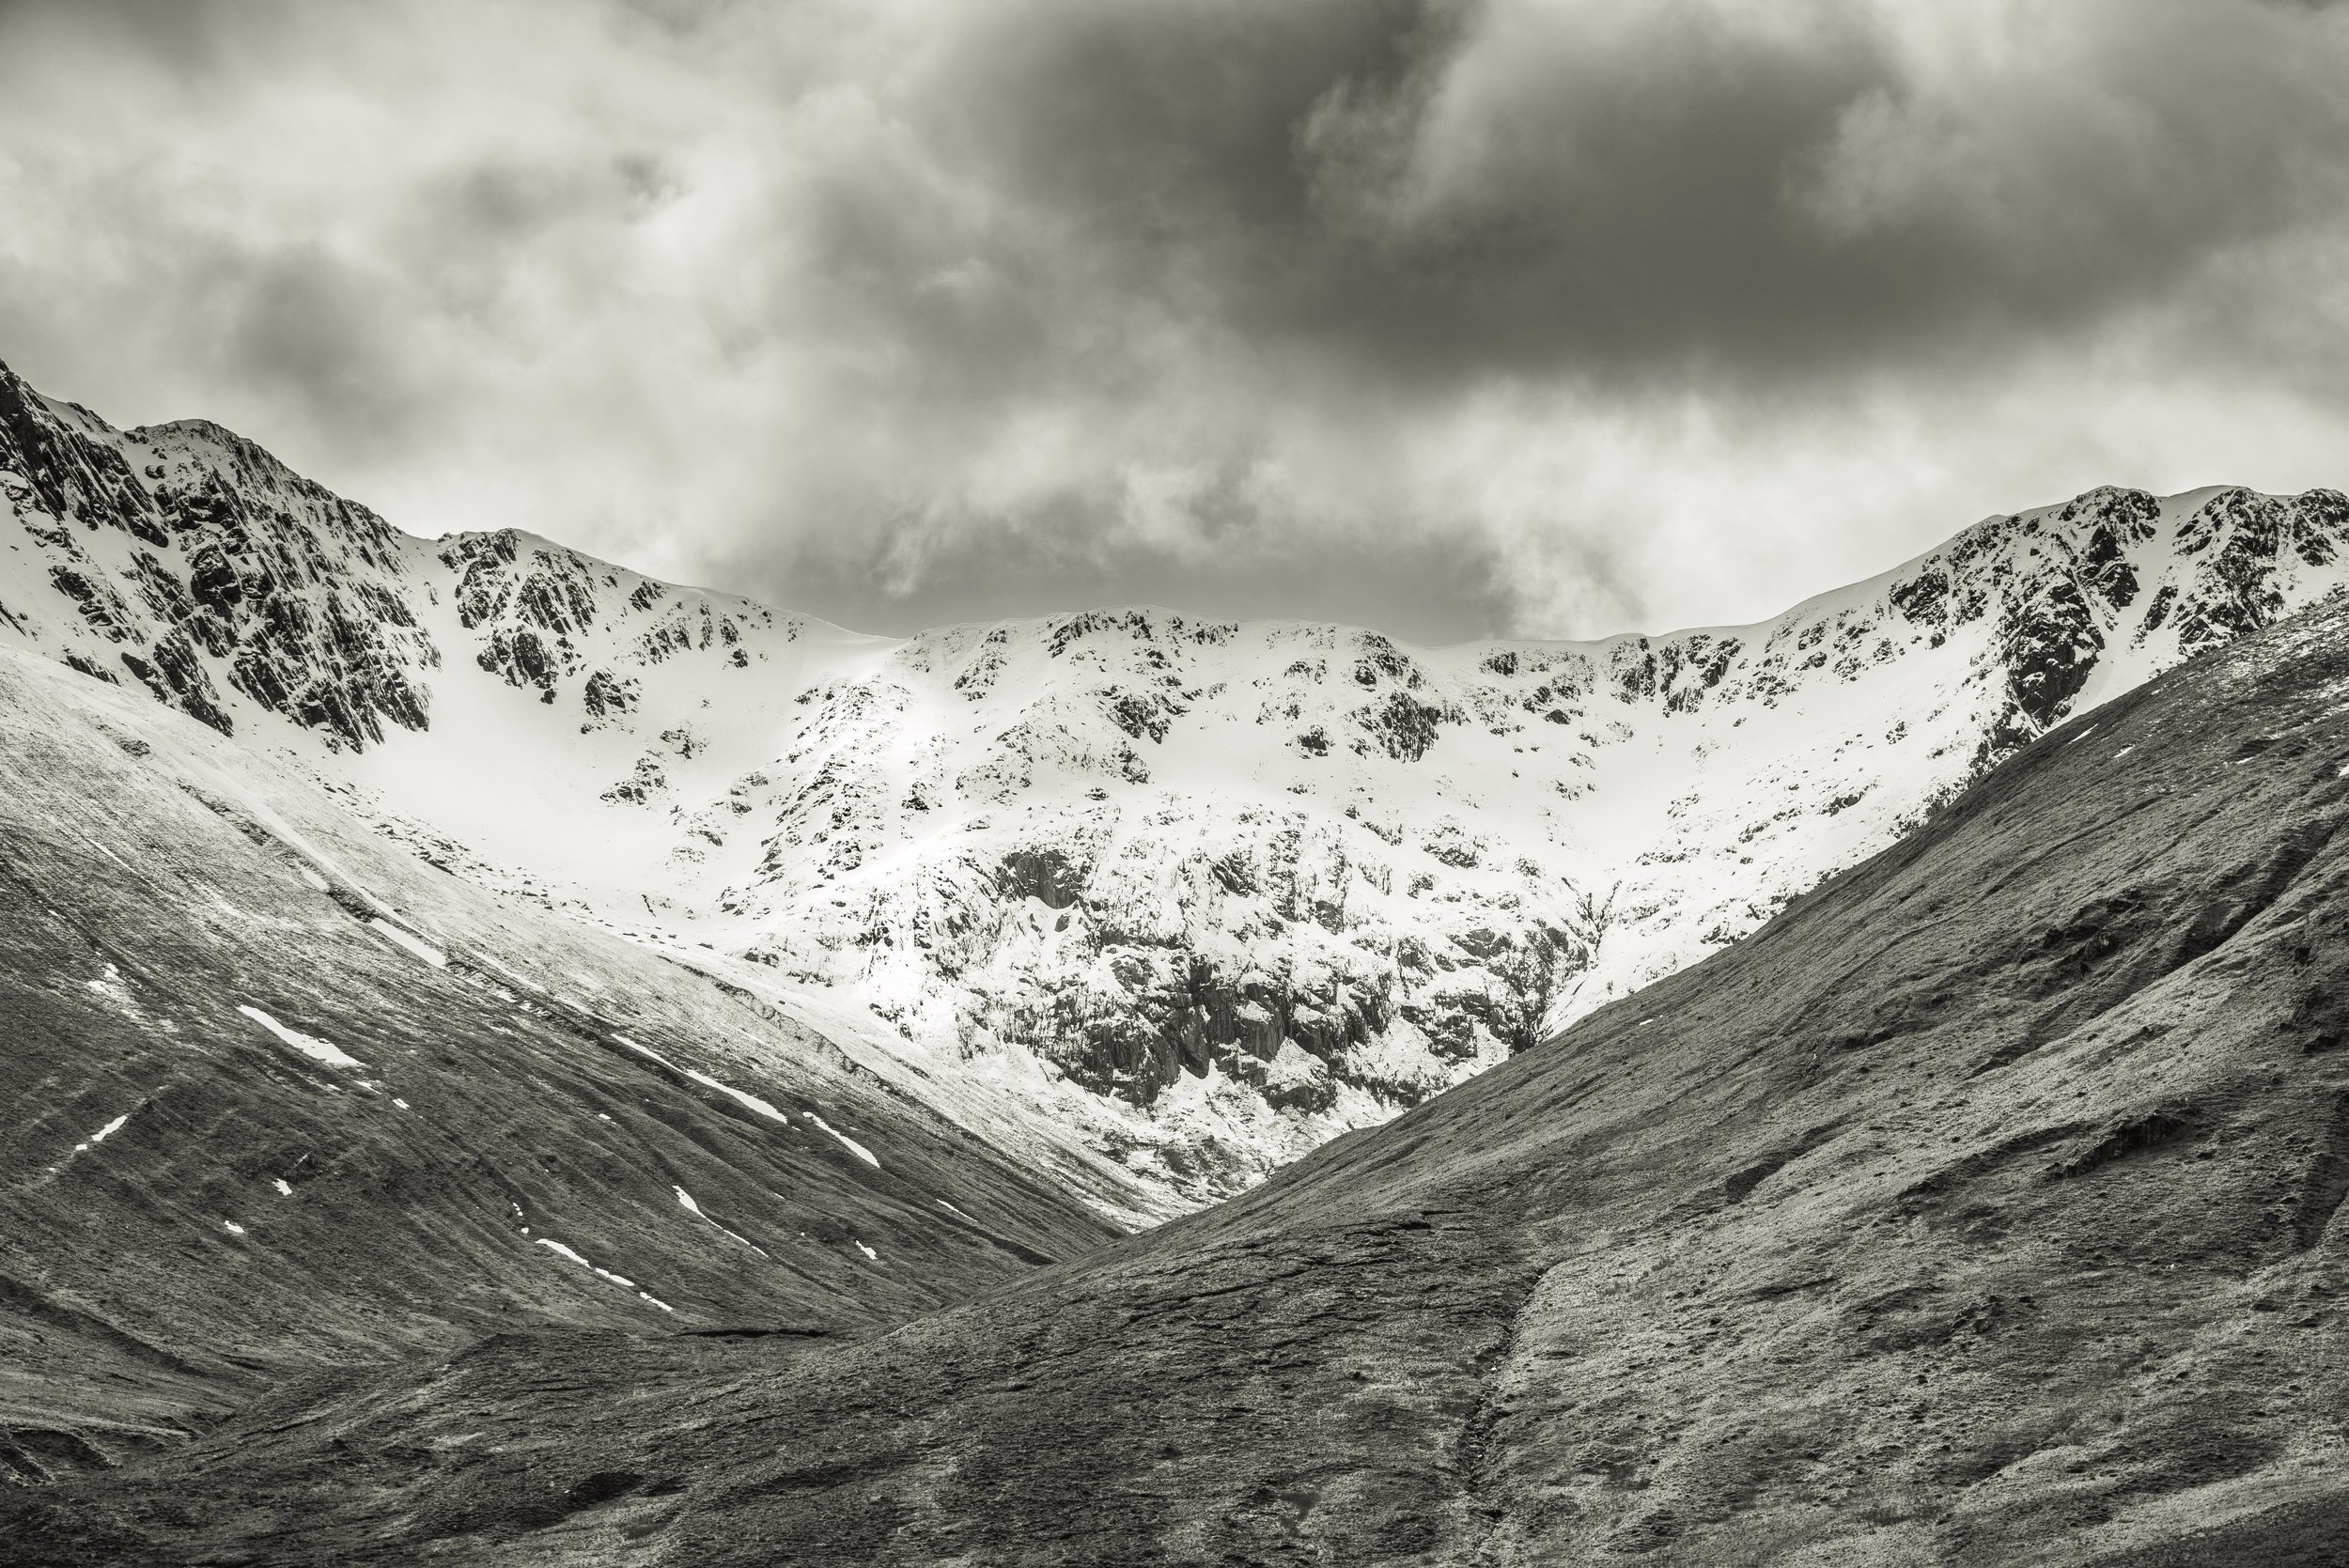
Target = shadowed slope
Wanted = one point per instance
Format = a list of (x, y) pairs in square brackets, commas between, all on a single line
[(1982, 1208)]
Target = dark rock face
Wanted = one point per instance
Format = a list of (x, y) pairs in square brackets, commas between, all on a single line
[(542, 613), (69, 473), (531, 604), (241, 570), (2066, 600), (1155, 1007), (607, 695), (1985, 1207), (1401, 726), (1045, 875), (2239, 537), (178, 678)]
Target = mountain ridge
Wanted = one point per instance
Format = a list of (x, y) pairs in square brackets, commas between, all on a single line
[(1206, 891)]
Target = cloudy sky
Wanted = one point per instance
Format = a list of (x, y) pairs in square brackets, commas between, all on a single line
[(1450, 317)]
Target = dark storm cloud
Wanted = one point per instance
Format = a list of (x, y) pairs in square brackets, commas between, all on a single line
[(1455, 316), (1415, 584), (1364, 210), (307, 323), (1452, 190), (184, 28)]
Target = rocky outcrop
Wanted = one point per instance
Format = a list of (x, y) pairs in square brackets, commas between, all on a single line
[(553, 622), (196, 562)]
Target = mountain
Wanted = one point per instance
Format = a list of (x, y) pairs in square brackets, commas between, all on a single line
[(1981, 1208), (1197, 896)]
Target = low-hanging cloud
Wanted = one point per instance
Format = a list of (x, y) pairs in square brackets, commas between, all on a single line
[(1526, 314)]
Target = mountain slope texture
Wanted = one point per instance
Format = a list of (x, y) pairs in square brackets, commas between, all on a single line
[(1984, 1208), (259, 1124), (1188, 895)]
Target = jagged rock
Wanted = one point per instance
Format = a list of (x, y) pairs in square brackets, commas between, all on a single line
[(270, 558)]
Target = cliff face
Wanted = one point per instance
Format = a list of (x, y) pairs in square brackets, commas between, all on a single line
[(197, 564), (1207, 893)]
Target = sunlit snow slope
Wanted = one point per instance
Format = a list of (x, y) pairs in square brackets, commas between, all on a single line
[(1205, 892)]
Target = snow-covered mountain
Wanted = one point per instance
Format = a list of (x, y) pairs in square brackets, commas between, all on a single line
[(1205, 892)]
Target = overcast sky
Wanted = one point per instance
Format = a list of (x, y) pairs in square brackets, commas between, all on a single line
[(1546, 317)]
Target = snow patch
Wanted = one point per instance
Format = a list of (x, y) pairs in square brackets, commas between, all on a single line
[(685, 1202), (868, 1252), (104, 1133), (645, 1051), (283, 1190), (752, 1101), (416, 945), (849, 1144), (234, 1229), (620, 1279), (524, 980), (308, 1045), (113, 991)]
